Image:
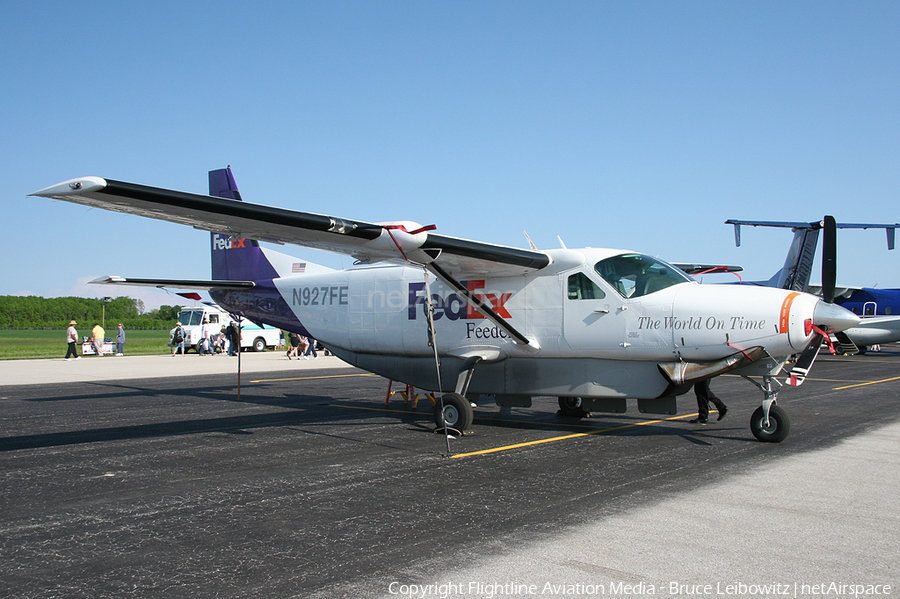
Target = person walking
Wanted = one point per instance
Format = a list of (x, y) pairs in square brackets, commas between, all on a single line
[(72, 339), (311, 349), (705, 396), (294, 341), (177, 340)]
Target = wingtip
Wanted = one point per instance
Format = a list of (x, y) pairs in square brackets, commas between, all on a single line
[(71, 187), (107, 280)]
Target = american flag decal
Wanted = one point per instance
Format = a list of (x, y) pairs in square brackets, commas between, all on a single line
[(298, 267)]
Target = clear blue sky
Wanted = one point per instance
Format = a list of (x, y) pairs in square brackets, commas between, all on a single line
[(637, 125)]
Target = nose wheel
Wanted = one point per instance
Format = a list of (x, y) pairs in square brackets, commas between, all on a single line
[(769, 423)]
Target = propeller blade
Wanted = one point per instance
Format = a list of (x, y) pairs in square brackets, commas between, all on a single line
[(829, 259), (805, 361)]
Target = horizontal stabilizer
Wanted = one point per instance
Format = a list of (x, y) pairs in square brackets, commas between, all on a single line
[(173, 283), (890, 228)]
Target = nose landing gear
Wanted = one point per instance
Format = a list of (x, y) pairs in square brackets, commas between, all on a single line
[(769, 423)]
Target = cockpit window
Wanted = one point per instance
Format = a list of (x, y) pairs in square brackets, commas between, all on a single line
[(635, 275), (581, 287)]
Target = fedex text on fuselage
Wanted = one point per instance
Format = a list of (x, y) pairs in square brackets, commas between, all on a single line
[(454, 306)]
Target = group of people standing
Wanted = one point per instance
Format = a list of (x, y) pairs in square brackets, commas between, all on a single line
[(98, 337), (228, 339)]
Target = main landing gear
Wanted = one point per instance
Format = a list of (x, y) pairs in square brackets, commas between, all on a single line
[(769, 423), (572, 407), (453, 411)]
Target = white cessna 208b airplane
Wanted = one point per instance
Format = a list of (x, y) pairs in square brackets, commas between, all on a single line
[(593, 327)]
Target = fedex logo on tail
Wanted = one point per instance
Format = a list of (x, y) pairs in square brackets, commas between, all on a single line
[(455, 307), (223, 242)]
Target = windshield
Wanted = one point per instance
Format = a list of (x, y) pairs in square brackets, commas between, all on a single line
[(190, 317), (634, 275)]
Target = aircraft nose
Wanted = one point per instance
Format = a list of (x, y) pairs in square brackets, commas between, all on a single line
[(836, 318)]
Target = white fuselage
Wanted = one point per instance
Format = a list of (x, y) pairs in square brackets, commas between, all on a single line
[(609, 346)]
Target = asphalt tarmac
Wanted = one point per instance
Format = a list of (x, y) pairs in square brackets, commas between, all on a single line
[(146, 477)]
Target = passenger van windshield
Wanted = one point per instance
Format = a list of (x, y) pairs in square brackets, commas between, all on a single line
[(635, 275), (190, 317)]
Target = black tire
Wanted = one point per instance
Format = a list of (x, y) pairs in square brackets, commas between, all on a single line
[(571, 407), (457, 413), (779, 425), (259, 344)]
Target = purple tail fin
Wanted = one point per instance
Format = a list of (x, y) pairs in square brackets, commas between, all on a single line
[(235, 259)]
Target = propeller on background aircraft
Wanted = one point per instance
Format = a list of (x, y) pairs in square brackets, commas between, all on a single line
[(829, 281), (829, 258)]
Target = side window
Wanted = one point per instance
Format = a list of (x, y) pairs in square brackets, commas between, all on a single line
[(581, 287), (213, 319)]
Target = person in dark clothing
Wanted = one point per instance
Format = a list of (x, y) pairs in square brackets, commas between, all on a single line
[(234, 338), (705, 396)]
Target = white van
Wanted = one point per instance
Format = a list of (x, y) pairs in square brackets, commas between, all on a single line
[(252, 335)]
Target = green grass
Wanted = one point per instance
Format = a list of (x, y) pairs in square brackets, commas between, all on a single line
[(22, 344)]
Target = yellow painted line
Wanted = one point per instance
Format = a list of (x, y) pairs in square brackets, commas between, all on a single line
[(564, 437), (896, 378), (527, 443), (311, 378)]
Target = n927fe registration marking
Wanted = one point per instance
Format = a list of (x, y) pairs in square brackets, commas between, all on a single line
[(333, 295)]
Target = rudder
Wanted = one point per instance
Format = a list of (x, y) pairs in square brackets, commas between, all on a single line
[(235, 259)]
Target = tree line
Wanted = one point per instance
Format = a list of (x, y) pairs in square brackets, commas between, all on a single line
[(32, 312)]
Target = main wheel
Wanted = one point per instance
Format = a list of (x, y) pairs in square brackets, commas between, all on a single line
[(571, 406), (457, 412), (779, 425)]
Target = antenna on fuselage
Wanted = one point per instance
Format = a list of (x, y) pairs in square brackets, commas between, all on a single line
[(562, 243), (531, 243)]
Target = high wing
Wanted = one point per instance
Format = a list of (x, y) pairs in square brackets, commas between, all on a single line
[(702, 269), (367, 242)]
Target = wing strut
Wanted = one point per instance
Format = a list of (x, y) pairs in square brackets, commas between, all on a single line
[(471, 298), (482, 307)]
